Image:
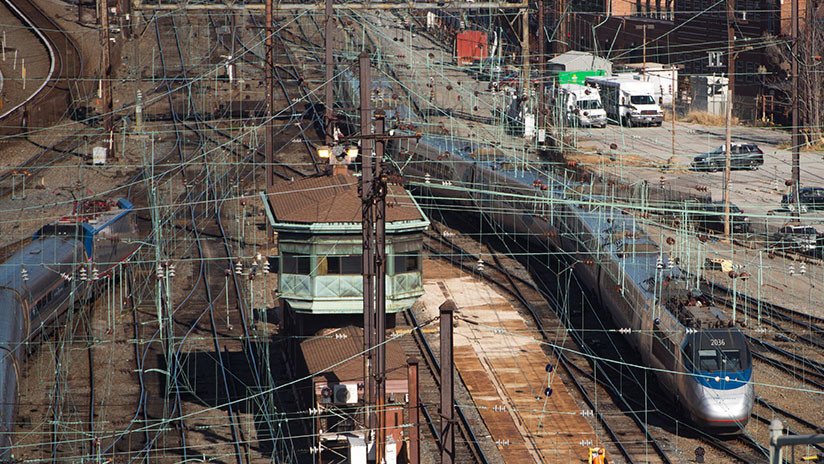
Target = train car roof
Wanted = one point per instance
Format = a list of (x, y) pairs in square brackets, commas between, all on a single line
[(92, 223), (43, 260)]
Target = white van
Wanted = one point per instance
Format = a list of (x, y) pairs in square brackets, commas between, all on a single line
[(628, 101), (582, 104)]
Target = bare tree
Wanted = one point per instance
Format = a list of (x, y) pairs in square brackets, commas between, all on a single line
[(811, 73)]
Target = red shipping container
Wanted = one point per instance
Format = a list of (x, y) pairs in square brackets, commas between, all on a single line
[(471, 46)]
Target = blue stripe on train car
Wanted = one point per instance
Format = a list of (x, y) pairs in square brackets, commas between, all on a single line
[(719, 382)]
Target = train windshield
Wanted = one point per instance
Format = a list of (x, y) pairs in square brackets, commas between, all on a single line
[(717, 352), (731, 360), (719, 361), (707, 360), (63, 230)]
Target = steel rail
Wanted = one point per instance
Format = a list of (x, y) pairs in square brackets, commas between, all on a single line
[(710, 439), (48, 45), (566, 363), (435, 365)]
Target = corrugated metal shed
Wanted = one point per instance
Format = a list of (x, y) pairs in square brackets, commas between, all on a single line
[(334, 199), (579, 61)]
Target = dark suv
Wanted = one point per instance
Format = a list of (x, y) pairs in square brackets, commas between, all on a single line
[(811, 199), (744, 156), (797, 238), (710, 217)]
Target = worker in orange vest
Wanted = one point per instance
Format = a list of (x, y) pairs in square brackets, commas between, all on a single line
[(598, 455)]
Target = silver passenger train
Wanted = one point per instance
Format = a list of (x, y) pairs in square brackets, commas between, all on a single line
[(692, 346), (700, 357), (51, 274)]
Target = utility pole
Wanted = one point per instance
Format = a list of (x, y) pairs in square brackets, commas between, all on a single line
[(329, 98), (106, 82), (368, 260), (644, 28), (447, 310), (728, 115), (644, 41), (379, 197), (560, 44), (373, 192), (269, 149), (525, 50), (414, 412), (796, 119), (541, 67), (672, 123)]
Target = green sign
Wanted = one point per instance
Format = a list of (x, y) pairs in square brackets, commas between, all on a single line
[(578, 77)]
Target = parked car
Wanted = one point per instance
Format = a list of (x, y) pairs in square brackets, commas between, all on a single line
[(710, 217), (811, 199), (797, 238), (743, 156)]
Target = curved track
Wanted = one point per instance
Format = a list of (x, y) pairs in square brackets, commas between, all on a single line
[(54, 97)]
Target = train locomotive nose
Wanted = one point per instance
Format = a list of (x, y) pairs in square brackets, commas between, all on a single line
[(724, 409)]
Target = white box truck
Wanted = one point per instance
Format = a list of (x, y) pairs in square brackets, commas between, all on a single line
[(628, 101), (582, 105)]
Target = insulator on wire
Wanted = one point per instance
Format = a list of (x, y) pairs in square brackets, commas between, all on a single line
[(659, 263), (160, 272), (266, 267), (238, 268), (803, 269), (24, 274)]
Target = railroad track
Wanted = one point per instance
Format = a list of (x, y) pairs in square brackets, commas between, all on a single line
[(614, 422), (469, 447), (52, 100), (741, 449), (784, 352), (161, 429), (811, 327), (550, 332), (237, 336)]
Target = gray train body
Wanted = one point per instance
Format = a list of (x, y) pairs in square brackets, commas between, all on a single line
[(39, 283), (672, 326), (700, 358)]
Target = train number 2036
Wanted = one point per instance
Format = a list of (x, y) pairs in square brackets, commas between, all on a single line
[(717, 342)]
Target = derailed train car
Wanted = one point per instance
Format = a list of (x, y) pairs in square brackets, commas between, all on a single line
[(39, 283)]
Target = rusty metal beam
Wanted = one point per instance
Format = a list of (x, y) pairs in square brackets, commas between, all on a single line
[(368, 259), (414, 414), (269, 136), (447, 309), (106, 82), (342, 6), (329, 98)]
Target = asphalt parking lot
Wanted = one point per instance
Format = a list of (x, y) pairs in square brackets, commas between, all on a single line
[(646, 153)]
